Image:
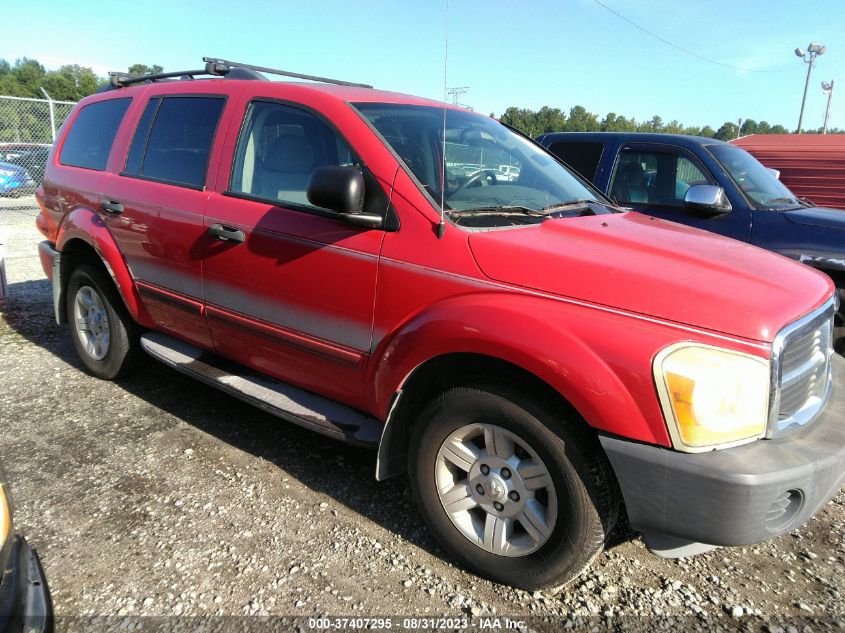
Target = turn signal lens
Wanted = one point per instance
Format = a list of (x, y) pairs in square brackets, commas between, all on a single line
[(711, 397)]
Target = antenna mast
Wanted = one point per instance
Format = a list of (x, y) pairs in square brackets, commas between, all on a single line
[(441, 228)]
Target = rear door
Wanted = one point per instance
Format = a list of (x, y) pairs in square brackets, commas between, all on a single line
[(84, 153), (290, 290), (654, 178), (154, 207)]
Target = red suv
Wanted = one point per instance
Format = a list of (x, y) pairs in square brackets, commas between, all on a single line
[(353, 261)]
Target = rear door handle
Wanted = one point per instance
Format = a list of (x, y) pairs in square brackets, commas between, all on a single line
[(112, 206), (227, 233)]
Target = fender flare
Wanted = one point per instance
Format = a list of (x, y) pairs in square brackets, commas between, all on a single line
[(87, 226), (485, 324)]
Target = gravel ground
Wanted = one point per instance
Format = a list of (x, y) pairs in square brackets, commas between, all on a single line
[(159, 496)]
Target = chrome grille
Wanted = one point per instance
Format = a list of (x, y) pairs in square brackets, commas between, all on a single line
[(801, 370)]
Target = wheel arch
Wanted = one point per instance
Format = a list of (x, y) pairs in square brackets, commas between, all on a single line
[(436, 375), (84, 237)]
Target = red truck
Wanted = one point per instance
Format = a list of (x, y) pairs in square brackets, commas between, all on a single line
[(537, 360)]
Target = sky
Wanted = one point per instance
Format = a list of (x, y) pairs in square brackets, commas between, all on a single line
[(528, 54)]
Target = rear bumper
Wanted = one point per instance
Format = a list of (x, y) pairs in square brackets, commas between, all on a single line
[(736, 496), (25, 603), (51, 262)]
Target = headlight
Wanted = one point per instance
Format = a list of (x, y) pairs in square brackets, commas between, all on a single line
[(7, 172), (712, 397), (5, 517)]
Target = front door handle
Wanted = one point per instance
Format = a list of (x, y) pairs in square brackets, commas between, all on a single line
[(112, 206), (227, 233)]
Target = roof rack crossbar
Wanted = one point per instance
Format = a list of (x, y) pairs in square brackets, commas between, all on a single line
[(119, 80), (217, 63)]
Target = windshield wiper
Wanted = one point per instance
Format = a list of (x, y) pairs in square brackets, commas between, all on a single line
[(784, 199), (571, 204), (576, 205), (496, 210)]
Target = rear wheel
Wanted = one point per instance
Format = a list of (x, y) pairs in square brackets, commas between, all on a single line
[(103, 333), (510, 490)]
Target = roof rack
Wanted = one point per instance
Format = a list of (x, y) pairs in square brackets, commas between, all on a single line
[(221, 65), (120, 80), (217, 68)]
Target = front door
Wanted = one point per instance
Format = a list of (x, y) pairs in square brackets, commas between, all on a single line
[(654, 178), (289, 289)]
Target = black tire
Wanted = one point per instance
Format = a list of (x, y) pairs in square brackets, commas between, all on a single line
[(586, 490), (123, 346)]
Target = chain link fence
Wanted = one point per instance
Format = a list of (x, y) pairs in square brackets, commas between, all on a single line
[(28, 128)]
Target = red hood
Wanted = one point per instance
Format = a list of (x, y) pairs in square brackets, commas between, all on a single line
[(657, 268)]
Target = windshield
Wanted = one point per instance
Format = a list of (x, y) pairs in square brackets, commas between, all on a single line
[(759, 185), (489, 168)]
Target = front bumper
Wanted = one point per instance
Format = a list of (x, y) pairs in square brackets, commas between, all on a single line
[(25, 603), (736, 496)]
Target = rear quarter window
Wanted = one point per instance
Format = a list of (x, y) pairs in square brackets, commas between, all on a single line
[(581, 156), (89, 140)]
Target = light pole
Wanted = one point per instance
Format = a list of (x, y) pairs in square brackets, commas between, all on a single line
[(813, 51), (827, 88)]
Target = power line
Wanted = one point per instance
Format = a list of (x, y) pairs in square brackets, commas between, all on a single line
[(684, 50)]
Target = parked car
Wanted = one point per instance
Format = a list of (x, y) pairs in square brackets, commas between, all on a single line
[(529, 354), (15, 181), (32, 160), (25, 604), (711, 185)]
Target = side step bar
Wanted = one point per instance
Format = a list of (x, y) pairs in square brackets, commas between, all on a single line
[(277, 398)]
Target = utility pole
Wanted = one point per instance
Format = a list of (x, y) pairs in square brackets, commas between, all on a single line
[(456, 92), (827, 88), (739, 127), (813, 51)]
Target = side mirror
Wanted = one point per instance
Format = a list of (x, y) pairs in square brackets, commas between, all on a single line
[(773, 172), (341, 189), (709, 198)]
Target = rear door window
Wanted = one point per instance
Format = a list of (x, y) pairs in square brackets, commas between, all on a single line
[(173, 140), (581, 156), (89, 140)]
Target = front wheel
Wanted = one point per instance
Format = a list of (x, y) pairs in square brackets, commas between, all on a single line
[(103, 333), (510, 490)]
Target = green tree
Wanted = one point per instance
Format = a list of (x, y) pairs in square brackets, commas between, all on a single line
[(674, 127), (727, 132), (143, 69), (70, 83), (778, 129), (749, 126), (581, 121), (550, 120), (615, 123), (708, 131), (23, 79), (522, 119)]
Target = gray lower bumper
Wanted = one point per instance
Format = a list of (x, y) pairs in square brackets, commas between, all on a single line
[(51, 262), (736, 496), (25, 603)]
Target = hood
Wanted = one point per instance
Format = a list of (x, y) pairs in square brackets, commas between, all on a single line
[(657, 268), (818, 216)]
